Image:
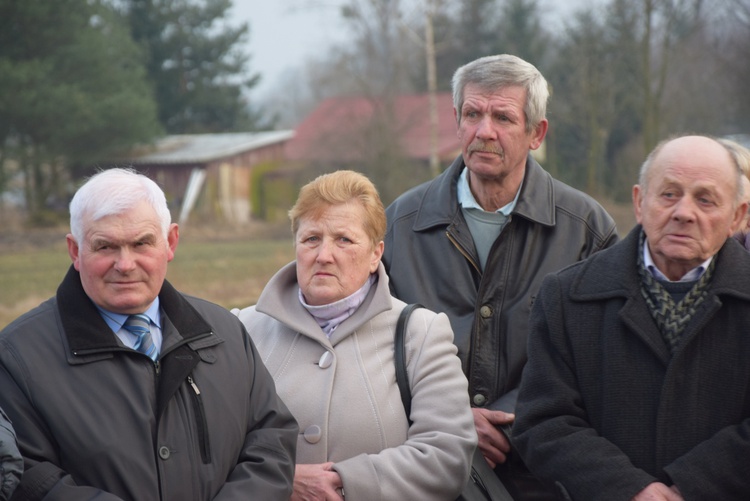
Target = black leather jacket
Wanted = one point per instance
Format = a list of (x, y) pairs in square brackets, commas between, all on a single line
[(431, 259)]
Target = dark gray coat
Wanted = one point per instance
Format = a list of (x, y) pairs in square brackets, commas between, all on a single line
[(604, 409), (11, 463), (97, 420), (431, 259)]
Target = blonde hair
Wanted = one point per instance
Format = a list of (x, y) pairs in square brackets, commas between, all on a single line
[(340, 187)]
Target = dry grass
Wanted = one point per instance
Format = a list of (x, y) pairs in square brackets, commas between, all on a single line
[(228, 267)]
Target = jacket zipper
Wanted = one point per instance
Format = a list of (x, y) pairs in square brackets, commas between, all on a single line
[(200, 421), (462, 251)]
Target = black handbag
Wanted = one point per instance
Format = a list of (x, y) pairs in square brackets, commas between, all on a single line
[(483, 484)]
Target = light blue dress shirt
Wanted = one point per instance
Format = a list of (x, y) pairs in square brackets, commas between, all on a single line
[(484, 226), (467, 201), (116, 320), (690, 276)]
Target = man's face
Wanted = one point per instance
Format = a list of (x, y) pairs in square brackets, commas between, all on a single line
[(123, 259), (492, 131), (689, 207)]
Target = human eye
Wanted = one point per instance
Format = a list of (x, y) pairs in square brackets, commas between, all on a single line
[(705, 200), (471, 113), (669, 194), (145, 242), (101, 245)]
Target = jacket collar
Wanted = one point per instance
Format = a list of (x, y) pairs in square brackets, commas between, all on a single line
[(439, 203), (86, 331), (613, 272), (280, 301)]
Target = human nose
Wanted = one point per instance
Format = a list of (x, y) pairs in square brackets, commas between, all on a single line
[(325, 252), (124, 261), (684, 210), (485, 129)]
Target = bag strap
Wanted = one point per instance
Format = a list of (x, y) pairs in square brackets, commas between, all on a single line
[(483, 483), (399, 356)]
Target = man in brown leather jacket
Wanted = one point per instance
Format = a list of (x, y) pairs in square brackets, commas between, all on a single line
[(476, 243)]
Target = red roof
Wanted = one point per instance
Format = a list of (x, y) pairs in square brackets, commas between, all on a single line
[(345, 129)]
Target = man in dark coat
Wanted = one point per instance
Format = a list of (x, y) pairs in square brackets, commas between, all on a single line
[(120, 387), (638, 378), (476, 241), (11, 463)]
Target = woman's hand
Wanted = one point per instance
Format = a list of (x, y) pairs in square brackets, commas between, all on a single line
[(317, 482)]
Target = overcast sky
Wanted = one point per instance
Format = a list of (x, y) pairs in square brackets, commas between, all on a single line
[(284, 33)]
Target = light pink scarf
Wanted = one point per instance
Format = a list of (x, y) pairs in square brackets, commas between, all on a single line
[(329, 316)]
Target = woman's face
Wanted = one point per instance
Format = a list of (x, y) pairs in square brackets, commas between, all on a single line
[(334, 254)]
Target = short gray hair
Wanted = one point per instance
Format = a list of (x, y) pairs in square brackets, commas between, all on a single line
[(739, 153), (112, 192), (491, 73)]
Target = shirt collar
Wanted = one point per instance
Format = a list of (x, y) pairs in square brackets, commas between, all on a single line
[(116, 320), (466, 197), (690, 276)]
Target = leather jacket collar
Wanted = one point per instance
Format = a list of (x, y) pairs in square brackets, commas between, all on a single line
[(439, 204)]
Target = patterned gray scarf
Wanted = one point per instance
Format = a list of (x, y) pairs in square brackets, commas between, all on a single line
[(671, 317)]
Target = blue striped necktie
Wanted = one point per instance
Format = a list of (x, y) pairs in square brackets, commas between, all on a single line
[(139, 326)]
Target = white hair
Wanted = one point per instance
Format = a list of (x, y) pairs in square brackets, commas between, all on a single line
[(112, 192)]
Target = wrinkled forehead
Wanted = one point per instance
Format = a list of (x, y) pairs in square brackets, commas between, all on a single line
[(698, 160)]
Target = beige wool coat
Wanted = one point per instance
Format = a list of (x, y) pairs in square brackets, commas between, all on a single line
[(344, 395)]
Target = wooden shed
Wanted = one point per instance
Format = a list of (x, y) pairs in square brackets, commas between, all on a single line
[(211, 176)]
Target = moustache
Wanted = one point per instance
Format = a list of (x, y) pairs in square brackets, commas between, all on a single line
[(486, 147)]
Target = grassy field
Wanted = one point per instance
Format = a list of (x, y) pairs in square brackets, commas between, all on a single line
[(227, 266), (229, 269)]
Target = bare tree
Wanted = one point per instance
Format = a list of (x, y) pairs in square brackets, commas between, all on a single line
[(376, 64), (733, 23), (664, 25), (584, 105)]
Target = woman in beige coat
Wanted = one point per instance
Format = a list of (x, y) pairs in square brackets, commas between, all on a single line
[(324, 326)]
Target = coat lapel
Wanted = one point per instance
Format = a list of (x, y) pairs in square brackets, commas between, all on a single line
[(613, 273), (90, 339)]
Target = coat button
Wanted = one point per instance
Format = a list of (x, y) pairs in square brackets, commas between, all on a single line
[(485, 311), (164, 452), (325, 360), (479, 399), (312, 434)]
